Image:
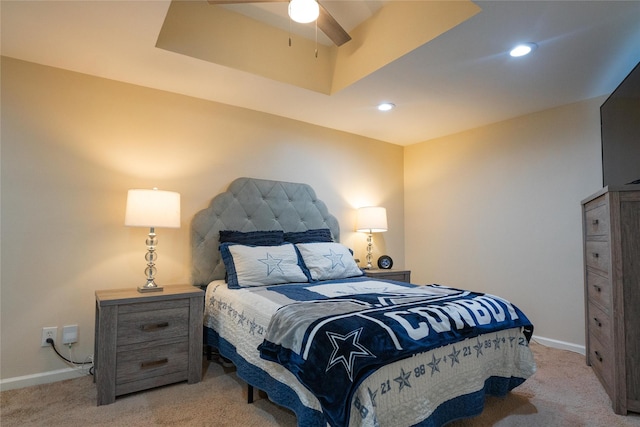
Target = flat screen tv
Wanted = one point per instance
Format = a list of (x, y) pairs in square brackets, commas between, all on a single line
[(620, 126)]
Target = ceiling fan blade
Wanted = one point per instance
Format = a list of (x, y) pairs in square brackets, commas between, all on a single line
[(331, 28)]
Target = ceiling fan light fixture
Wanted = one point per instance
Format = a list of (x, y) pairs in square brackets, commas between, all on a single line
[(386, 106), (523, 49), (304, 11)]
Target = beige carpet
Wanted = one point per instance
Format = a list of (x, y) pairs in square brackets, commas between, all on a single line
[(564, 392)]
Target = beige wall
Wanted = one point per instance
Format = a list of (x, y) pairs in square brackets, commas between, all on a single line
[(72, 145), (497, 209)]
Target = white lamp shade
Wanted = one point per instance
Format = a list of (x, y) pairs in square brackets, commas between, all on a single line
[(304, 11), (152, 208), (372, 219)]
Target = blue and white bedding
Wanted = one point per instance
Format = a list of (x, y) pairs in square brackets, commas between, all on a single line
[(443, 349)]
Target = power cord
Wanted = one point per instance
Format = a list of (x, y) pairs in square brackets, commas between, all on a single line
[(53, 345)]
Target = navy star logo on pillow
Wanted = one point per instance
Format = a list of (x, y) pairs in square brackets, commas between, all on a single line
[(272, 264), (335, 258)]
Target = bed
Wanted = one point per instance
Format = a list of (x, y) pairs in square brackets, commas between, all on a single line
[(286, 303)]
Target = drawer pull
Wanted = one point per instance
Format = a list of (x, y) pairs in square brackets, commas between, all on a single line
[(595, 222), (595, 319), (153, 363), (598, 356), (596, 255), (154, 327), (598, 288)]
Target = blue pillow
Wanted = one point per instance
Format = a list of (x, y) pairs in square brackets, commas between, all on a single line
[(310, 236), (254, 238)]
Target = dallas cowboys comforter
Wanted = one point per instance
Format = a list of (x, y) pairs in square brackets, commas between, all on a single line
[(368, 352)]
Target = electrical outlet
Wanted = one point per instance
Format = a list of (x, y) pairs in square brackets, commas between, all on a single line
[(69, 334), (49, 332)]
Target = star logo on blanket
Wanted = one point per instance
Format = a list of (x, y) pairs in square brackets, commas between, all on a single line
[(242, 318), (272, 264), (372, 396), (345, 350), (478, 348), (403, 379), (453, 356), (434, 364), (497, 341), (336, 259)]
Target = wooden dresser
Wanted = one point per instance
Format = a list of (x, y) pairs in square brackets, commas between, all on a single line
[(611, 233), (146, 340)]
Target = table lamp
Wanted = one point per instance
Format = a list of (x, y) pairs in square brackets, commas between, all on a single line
[(371, 219), (152, 208)]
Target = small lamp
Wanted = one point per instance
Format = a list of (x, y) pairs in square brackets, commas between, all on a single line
[(371, 219), (152, 208)]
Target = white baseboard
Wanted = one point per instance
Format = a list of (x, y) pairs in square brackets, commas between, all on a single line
[(41, 378), (562, 345)]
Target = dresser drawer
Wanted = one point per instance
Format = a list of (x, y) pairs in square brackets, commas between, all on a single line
[(599, 291), (599, 325), (601, 359), (137, 324), (597, 255), (143, 361), (597, 220)]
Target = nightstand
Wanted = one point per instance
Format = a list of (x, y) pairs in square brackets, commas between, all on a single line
[(146, 340), (399, 275)]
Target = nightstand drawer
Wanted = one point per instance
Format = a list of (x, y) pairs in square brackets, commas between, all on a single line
[(152, 321), (398, 275), (152, 360), (401, 277)]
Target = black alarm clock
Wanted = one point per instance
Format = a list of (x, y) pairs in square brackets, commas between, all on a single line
[(385, 262)]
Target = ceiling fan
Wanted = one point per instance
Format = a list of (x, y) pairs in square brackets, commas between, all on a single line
[(326, 23)]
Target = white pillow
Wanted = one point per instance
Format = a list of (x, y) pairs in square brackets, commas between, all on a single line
[(326, 261), (261, 265)]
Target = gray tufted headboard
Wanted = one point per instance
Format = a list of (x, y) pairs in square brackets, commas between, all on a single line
[(249, 205)]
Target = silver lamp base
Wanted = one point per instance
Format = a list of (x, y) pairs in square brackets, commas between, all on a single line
[(150, 287), (150, 271), (369, 266)]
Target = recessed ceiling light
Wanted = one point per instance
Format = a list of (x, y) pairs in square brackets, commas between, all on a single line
[(386, 106), (523, 49)]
